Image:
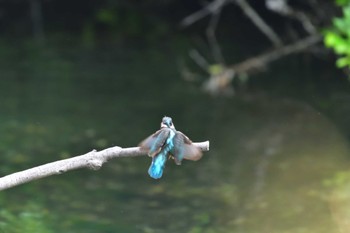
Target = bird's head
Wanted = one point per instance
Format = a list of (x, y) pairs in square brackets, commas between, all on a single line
[(167, 122)]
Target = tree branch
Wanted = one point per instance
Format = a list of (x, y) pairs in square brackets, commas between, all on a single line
[(259, 22), (262, 60), (281, 7), (221, 83), (92, 160), (199, 59), (211, 8), (214, 45)]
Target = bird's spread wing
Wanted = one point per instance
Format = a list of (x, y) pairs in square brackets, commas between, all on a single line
[(178, 150), (184, 149), (153, 144)]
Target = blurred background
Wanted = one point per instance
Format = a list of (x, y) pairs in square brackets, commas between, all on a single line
[(265, 81)]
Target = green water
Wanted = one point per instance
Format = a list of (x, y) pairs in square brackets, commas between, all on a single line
[(274, 164)]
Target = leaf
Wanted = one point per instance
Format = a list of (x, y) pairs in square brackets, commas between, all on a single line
[(342, 2), (343, 62), (215, 69), (346, 12), (341, 48), (106, 16), (340, 24), (331, 39)]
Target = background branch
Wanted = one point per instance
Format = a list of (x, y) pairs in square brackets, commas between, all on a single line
[(259, 22), (92, 160), (281, 7), (214, 45), (211, 8), (199, 59), (262, 60)]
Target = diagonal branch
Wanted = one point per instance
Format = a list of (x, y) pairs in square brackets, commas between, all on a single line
[(92, 160), (211, 8), (259, 22), (221, 83), (199, 59), (215, 48), (262, 60), (281, 7)]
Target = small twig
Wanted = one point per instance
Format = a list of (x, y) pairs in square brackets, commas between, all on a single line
[(259, 22), (199, 59), (306, 22), (281, 7), (92, 160), (207, 10), (214, 45)]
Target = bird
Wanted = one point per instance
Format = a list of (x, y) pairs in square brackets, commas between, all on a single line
[(166, 143)]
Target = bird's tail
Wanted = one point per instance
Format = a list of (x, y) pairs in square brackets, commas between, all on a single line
[(157, 166)]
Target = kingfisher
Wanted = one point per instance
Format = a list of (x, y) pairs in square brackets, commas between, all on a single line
[(168, 143)]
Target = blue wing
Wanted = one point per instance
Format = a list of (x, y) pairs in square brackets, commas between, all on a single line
[(184, 149), (157, 166), (153, 144)]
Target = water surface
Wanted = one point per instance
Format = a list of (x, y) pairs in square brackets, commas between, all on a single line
[(271, 167)]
